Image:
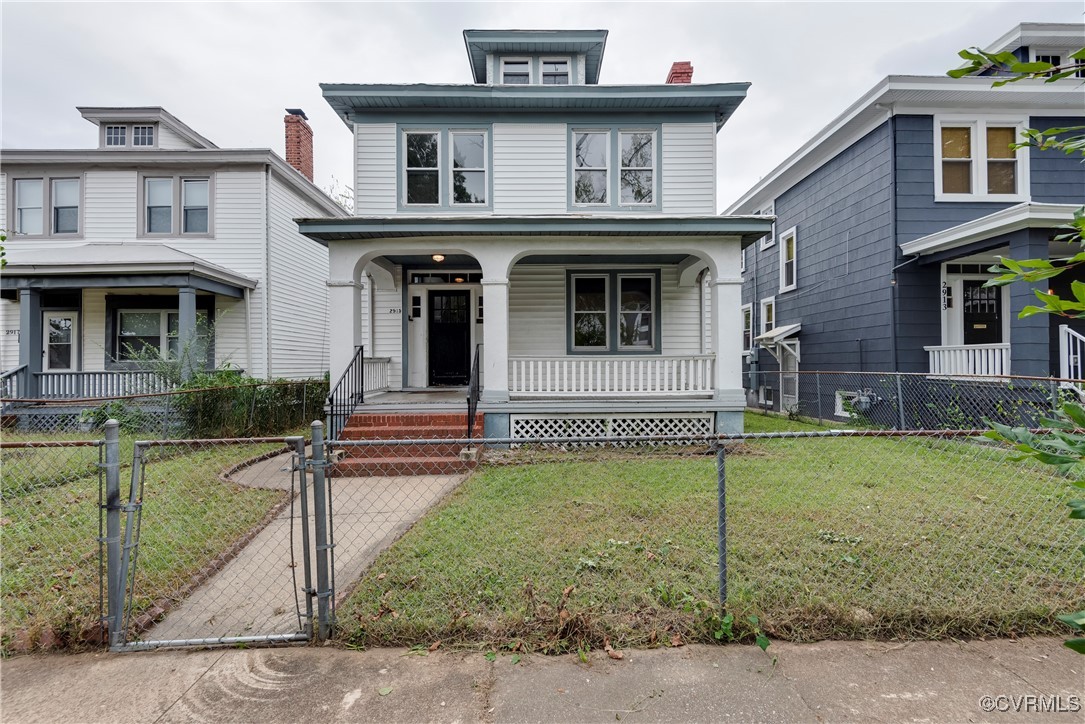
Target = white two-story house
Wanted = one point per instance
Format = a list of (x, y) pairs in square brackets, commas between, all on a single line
[(153, 242), (564, 230)]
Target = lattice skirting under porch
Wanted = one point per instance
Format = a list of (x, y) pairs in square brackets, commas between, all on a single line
[(534, 426)]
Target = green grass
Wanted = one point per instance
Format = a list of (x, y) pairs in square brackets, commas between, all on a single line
[(828, 538), (50, 562), (761, 422)]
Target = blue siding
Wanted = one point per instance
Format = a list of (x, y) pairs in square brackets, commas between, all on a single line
[(1054, 176), (842, 215)]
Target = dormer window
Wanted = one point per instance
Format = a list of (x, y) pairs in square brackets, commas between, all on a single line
[(516, 71), (143, 135), (555, 72), (116, 135)]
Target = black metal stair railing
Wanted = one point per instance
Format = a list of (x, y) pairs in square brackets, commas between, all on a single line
[(347, 395), (473, 389)]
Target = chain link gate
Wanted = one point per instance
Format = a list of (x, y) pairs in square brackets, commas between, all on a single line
[(228, 523)]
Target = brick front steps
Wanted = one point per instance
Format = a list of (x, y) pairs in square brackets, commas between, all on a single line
[(394, 460)]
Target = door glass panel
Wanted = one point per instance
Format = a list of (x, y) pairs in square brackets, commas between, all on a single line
[(59, 349), (981, 312)]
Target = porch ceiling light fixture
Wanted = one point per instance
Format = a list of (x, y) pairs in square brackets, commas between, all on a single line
[(459, 280), (438, 257)]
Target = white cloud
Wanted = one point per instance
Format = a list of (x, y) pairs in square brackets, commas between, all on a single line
[(229, 69)]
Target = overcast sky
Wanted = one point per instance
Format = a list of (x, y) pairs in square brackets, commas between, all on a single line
[(229, 69)]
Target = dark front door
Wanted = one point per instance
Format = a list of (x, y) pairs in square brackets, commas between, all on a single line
[(982, 313), (449, 337)]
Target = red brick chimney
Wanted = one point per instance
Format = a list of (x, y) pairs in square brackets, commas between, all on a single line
[(681, 72), (299, 142)]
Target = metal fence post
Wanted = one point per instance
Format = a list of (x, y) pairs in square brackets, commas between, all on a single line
[(721, 520), (817, 379), (306, 557), (117, 634), (1054, 395), (114, 589), (323, 592), (900, 402)]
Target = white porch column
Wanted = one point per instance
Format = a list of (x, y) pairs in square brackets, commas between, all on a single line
[(495, 339), (727, 336), (345, 323)]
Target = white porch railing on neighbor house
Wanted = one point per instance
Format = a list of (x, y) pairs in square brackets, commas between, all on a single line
[(375, 373), (63, 385), (970, 359), (1071, 356), (690, 375)]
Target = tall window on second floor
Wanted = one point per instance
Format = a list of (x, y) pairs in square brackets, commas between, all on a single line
[(789, 261), (590, 167), (423, 168), (65, 206), (194, 205), (159, 202), (976, 162), (638, 164), (29, 200), (469, 184)]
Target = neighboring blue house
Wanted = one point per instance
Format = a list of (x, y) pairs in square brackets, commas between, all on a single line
[(888, 219), (580, 216)]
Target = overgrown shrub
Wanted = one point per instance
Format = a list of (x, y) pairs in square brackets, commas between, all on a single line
[(228, 404)]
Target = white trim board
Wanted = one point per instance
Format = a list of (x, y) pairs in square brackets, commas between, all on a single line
[(1020, 216)]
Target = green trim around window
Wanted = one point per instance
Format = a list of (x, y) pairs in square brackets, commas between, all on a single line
[(614, 184), (613, 347), (444, 167)]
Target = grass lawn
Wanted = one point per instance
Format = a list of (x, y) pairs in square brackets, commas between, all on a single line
[(828, 538), (50, 583)]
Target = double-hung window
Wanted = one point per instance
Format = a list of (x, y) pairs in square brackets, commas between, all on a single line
[(515, 71), (747, 327), (591, 162), (146, 334), (768, 239), (194, 206), (788, 260), (555, 71), (975, 160), (469, 185), (158, 195), (65, 206), (29, 206), (638, 164), (614, 312), (177, 205), (423, 181), (768, 314)]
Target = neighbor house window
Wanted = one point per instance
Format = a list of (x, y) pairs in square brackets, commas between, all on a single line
[(590, 312), (194, 206), (469, 185), (638, 163), (143, 135), (590, 167), (636, 323), (769, 239), (66, 206), (788, 260), (976, 162), (422, 167), (116, 135), (516, 72), (158, 193), (768, 314), (747, 327), (29, 208), (555, 72), (143, 335)]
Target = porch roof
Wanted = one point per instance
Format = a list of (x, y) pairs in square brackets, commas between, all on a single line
[(121, 264), (1025, 215), (776, 334), (750, 228)]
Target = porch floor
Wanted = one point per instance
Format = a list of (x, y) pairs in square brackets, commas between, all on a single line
[(449, 397)]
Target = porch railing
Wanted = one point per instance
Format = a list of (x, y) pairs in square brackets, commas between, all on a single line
[(969, 359), (362, 375), (13, 383), (375, 373), (690, 375), (112, 383), (1072, 356)]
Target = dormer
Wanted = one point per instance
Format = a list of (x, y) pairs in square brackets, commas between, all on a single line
[(1042, 42), (535, 57), (142, 129)]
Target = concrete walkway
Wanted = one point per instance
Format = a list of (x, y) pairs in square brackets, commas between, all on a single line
[(255, 594), (832, 681)]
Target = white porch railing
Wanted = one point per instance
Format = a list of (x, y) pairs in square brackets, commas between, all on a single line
[(375, 373), (62, 385), (970, 359), (1071, 356), (631, 376)]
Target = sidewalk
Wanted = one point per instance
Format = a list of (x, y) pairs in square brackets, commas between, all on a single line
[(830, 681)]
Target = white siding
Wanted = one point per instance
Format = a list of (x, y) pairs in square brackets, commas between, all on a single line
[(110, 211), (231, 345), (9, 335), (537, 312), (92, 341), (689, 168), (169, 140), (297, 288), (375, 166), (3, 200), (388, 330), (530, 168)]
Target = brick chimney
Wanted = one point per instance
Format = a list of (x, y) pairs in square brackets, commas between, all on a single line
[(681, 72), (299, 142)]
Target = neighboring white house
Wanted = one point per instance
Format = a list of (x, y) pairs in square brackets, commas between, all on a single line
[(148, 241), (566, 230)]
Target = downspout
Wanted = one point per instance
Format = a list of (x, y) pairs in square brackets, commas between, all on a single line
[(248, 330), (267, 268)]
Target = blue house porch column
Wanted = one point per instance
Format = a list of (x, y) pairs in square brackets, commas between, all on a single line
[(31, 342), (1029, 337), (186, 331)]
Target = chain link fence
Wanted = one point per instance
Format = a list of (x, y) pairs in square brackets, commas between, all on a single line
[(903, 401), (566, 544)]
